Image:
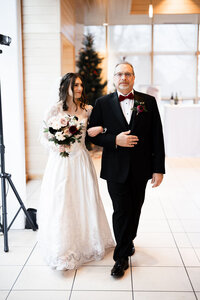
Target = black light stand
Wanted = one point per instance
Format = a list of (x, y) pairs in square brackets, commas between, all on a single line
[(5, 40)]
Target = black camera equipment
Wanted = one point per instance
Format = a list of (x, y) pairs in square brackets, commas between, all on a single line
[(6, 40)]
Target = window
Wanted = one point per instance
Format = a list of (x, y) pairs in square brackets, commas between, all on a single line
[(171, 64), (175, 74), (133, 44), (175, 38), (130, 38), (99, 37)]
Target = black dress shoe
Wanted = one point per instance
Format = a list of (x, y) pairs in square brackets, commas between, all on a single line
[(119, 267)]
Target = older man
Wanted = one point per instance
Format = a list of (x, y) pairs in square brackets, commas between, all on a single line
[(133, 152)]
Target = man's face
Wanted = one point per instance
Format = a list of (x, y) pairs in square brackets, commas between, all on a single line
[(124, 78)]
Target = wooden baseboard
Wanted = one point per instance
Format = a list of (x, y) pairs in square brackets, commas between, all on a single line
[(34, 177)]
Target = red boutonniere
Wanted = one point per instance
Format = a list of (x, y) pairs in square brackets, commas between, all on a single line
[(139, 107)]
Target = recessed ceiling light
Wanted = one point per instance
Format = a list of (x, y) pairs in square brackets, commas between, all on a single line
[(150, 11)]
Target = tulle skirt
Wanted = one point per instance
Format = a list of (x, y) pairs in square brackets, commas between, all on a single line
[(73, 228)]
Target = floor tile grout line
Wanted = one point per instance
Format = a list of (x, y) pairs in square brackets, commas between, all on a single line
[(163, 291), (124, 291), (184, 264), (154, 267), (143, 266), (198, 258), (72, 285), (192, 247), (163, 266), (114, 290), (179, 250), (131, 278), (21, 271), (41, 290)]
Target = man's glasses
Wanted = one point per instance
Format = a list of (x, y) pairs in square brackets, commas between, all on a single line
[(119, 75)]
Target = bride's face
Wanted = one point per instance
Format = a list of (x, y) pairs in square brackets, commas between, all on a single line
[(78, 88)]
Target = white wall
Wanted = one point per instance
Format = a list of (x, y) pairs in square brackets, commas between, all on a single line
[(48, 45), (67, 33), (12, 105), (42, 67)]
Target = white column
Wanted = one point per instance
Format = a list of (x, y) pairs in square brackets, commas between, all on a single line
[(12, 105)]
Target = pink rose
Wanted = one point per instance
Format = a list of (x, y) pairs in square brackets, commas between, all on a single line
[(61, 148), (66, 131), (63, 121)]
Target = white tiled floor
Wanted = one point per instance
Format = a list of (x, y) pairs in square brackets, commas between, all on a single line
[(166, 264)]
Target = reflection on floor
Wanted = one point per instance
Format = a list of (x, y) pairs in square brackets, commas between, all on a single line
[(166, 264)]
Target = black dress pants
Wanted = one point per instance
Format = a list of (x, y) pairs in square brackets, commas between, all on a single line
[(127, 198)]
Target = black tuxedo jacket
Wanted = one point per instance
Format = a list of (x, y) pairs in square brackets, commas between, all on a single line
[(147, 156)]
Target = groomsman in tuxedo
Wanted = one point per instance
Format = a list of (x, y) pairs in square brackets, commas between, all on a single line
[(133, 153)]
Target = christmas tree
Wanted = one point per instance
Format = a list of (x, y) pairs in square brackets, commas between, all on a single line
[(90, 71)]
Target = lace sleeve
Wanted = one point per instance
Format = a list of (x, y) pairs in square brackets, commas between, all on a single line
[(43, 136), (89, 110)]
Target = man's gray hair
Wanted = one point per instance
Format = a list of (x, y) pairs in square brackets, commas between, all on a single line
[(126, 63)]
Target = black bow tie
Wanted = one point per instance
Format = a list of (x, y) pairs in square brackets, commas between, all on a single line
[(129, 96)]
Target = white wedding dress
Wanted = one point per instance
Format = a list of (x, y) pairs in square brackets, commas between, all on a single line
[(73, 228)]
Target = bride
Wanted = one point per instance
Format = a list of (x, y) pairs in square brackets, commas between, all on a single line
[(73, 228)]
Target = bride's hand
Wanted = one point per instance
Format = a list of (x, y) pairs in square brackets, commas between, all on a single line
[(94, 131)]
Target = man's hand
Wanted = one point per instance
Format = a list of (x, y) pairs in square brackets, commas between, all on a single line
[(156, 179), (125, 140)]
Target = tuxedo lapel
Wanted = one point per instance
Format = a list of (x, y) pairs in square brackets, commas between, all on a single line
[(134, 116), (118, 111)]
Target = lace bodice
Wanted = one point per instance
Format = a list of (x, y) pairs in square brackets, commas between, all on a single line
[(58, 110)]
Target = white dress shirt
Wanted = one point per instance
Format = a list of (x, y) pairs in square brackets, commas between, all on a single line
[(126, 107)]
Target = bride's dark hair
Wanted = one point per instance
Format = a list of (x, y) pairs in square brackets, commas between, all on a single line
[(67, 79)]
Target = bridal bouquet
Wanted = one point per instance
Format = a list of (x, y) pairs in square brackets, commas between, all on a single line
[(64, 131)]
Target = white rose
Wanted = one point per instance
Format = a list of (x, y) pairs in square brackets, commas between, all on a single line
[(56, 125), (59, 136)]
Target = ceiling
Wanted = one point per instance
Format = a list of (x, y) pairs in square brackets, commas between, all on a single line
[(125, 12), (166, 6)]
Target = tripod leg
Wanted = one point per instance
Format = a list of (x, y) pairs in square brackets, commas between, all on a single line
[(21, 204), (4, 210)]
